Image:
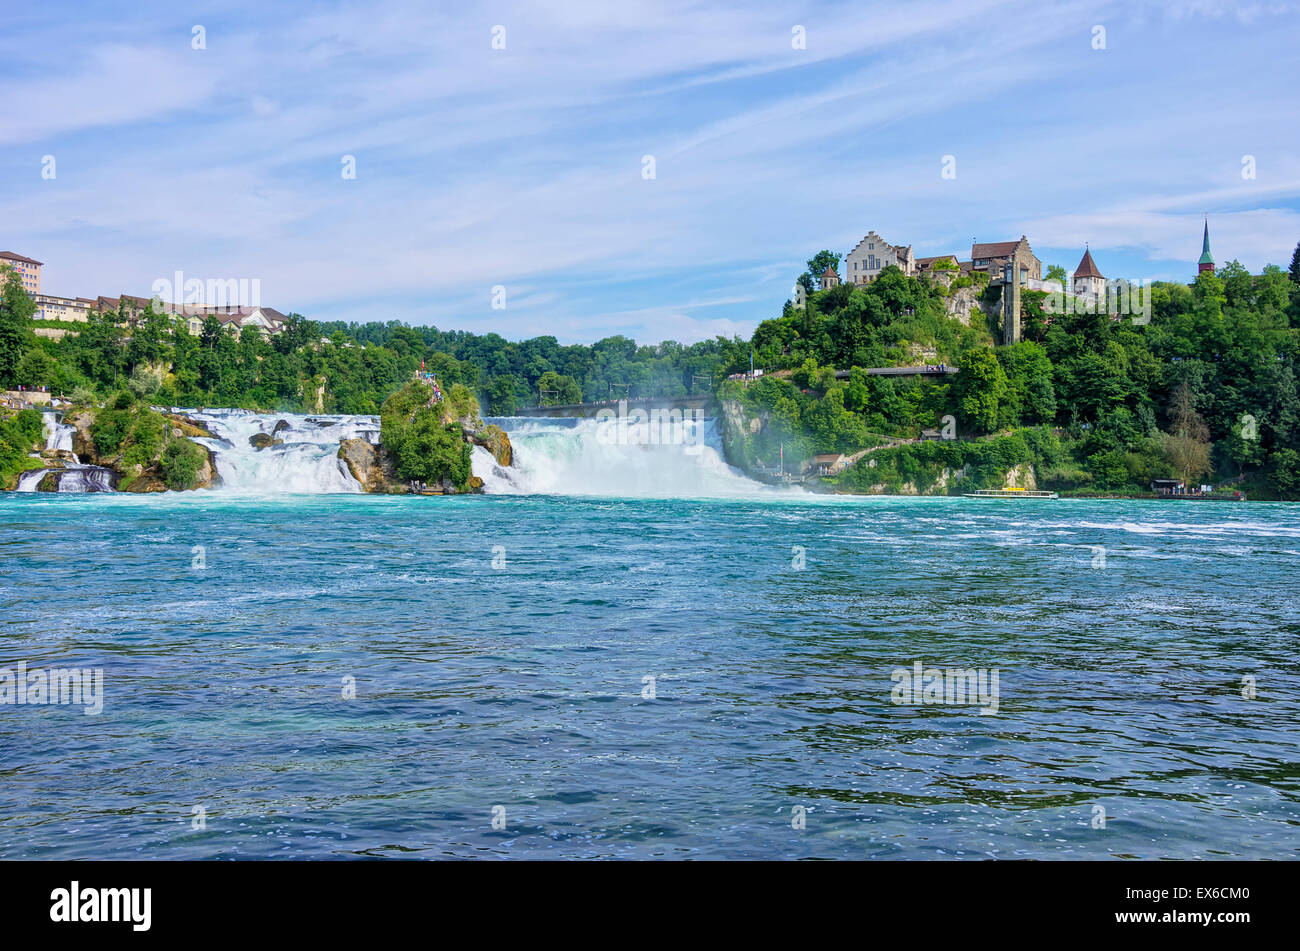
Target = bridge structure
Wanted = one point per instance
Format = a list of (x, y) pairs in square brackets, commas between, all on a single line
[(705, 403), (684, 404), (941, 369)]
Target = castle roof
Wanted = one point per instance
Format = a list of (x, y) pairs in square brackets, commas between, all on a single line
[(997, 249), (1087, 268)]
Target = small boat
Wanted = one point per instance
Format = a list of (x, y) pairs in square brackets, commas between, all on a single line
[(1012, 493)]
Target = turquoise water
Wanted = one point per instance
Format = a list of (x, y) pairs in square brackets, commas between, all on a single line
[(522, 686)]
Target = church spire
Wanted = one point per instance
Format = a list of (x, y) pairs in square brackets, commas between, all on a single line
[(1206, 263)]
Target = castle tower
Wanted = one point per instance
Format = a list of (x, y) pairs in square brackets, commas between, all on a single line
[(1088, 281), (1206, 263)]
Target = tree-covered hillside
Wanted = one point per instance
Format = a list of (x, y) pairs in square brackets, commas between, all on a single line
[(1206, 391)]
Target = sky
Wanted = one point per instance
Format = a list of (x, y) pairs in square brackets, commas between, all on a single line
[(144, 138)]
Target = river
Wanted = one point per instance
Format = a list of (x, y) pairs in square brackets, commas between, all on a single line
[(697, 667)]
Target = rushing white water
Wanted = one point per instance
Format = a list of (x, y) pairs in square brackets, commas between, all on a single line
[(58, 434), (79, 478), (551, 457), (306, 461), (28, 481), (74, 476), (590, 457)]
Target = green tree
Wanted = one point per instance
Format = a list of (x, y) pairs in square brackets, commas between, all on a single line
[(36, 368), (979, 389), (180, 464), (558, 389), (1284, 473), (1187, 444), (817, 265), (16, 310), (1031, 398)]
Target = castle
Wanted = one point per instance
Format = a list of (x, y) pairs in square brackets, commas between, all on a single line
[(1011, 265)]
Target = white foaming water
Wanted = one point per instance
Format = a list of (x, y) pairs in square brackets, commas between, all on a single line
[(307, 461), (575, 457), (58, 435)]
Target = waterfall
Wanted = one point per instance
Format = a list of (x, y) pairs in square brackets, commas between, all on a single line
[(28, 481), (606, 458), (58, 434), (74, 476), (300, 454), (305, 459), (79, 478)]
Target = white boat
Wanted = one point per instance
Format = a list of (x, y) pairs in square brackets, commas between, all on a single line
[(1010, 494)]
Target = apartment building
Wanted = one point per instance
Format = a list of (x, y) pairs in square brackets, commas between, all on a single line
[(27, 270)]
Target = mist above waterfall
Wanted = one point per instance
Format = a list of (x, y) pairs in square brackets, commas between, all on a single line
[(608, 458)]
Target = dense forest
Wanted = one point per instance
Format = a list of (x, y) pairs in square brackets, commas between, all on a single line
[(1207, 390), (359, 365)]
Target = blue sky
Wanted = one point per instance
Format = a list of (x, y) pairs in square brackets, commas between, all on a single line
[(522, 167)]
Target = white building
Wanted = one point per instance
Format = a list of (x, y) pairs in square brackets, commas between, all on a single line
[(49, 307), (872, 255)]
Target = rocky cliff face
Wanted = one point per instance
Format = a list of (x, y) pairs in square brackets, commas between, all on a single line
[(735, 425), (1021, 477), (370, 466), (82, 444)]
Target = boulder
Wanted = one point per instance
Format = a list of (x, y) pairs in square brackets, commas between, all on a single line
[(369, 465), (280, 426), (207, 476), (261, 440), (142, 484), (495, 441)]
